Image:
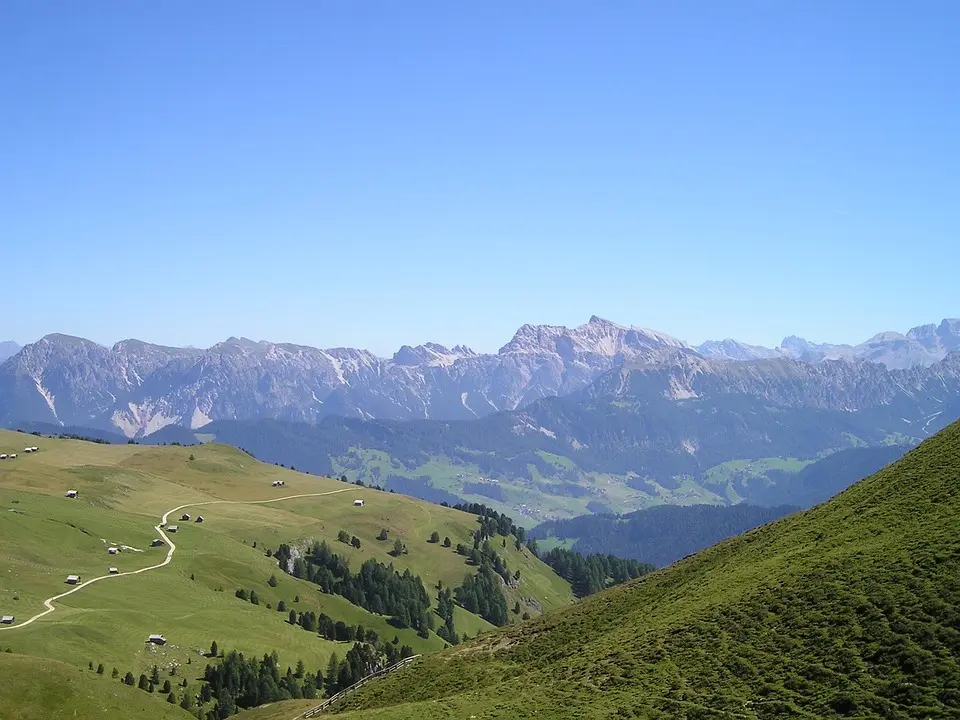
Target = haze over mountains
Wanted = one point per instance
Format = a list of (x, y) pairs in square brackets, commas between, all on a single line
[(137, 388), (8, 348)]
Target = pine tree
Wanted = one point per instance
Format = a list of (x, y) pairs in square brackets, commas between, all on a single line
[(213, 649), (100, 669), (293, 617), (446, 542), (115, 673), (300, 669), (383, 534), (172, 699), (434, 537), (397, 548), (155, 676), (281, 606), (128, 679), (144, 683), (272, 582), (333, 671), (166, 686)]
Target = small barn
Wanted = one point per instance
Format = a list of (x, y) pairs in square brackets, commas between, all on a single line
[(7, 619), (157, 639), (157, 543), (73, 579), (358, 503), (185, 517), (13, 456), (278, 483), (172, 528), (34, 448), (28, 450), (199, 518), (114, 571), (71, 493), (3, 456), (113, 550)]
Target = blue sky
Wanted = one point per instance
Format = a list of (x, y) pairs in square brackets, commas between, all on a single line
[(377, 173)]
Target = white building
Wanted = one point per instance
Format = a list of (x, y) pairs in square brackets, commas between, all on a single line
[(358, 503)]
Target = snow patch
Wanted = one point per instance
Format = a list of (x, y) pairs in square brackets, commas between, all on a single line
[(48, 397), (199, 419), (463, 401)]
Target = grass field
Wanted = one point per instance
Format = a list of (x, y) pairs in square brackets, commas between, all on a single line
[(39, 688), (123, 491)]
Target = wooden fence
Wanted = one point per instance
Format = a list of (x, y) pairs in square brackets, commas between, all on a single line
[(314, 711)]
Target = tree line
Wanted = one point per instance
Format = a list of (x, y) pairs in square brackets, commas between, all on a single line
[(592, 573), (376, 587), (239, 683)]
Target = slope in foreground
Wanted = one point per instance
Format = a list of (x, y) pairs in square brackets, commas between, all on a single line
[(849, 609)]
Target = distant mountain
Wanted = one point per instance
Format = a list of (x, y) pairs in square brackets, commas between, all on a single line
[(137, 388), (923, 345), (8, 348), (659, 535)]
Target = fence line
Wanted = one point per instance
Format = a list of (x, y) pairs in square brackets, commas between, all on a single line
[(314, 711)]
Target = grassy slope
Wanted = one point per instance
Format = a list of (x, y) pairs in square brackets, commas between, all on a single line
[(123, 491), (852, 607), (38, 688)]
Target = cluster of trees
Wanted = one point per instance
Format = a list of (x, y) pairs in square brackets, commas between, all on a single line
[(151, 683), (376, 587), (445, 610), (345, 537), (248, 595), (484, 554), (481, 595), (593, 573), (237, 682), (492, 523), (361, 660)]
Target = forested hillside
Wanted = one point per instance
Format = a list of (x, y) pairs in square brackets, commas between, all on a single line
[(659, 535)]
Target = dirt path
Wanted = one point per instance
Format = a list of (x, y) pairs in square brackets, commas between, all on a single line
[(48, 603)]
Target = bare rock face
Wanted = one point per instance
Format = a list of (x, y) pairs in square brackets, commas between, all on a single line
[(139, 388)]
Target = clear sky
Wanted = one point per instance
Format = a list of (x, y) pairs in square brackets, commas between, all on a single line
[(376, 173)]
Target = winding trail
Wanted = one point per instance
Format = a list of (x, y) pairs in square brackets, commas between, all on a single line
[(48, 603)]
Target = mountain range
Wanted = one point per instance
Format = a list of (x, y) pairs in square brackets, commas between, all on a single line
[(137, 388)]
